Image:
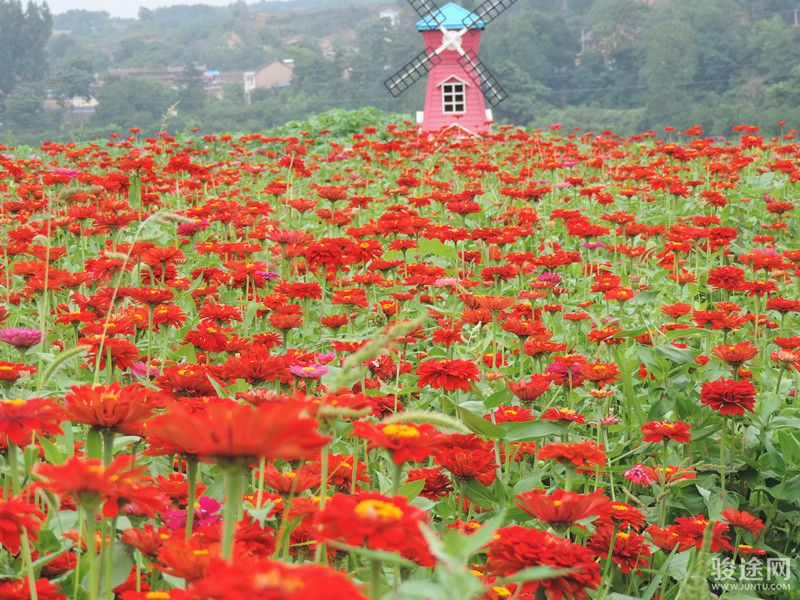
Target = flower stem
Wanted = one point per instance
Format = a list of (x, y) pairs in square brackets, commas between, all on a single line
[(375, 578), (191, 476), (91, 551), (722, 458), (230, 516), (108, 559)]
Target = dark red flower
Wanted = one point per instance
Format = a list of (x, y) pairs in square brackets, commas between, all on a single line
[(447, 374), (515, 549), (729, 397)]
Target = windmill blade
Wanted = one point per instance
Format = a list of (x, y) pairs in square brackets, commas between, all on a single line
[(410, 73), (483, 78), (427, 10), (488, 12)]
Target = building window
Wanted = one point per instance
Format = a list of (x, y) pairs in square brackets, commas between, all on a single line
[(453, 97)]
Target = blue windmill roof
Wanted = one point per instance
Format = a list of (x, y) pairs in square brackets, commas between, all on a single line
[(450, 16)]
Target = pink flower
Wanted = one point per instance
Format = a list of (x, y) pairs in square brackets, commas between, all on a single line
[(309, 371), (639, 475), (206, 512), (21, 337)]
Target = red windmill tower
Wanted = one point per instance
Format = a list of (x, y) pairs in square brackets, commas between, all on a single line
[(459, 84)]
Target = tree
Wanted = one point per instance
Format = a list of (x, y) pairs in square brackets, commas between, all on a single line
[(23, 36), (669, 67), (23, 109), (73, 79), (133, 102), (192, 92)]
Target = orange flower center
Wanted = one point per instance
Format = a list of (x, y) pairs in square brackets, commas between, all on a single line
[(158, 596), (378, 510), (557, 503), (399, 431), (276, 581), (619, 507)]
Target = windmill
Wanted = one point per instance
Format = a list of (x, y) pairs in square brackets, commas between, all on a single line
[(459, 84)]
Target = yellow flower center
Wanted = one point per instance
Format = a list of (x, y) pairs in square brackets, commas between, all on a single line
[(619, 507), (502, 592), (378, 510), (557, 502), (158, 596), (200, 552), (6, 368), (15, 401), (623, 535), (399, 431)]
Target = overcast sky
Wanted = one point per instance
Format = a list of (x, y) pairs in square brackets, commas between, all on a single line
[(123, 8)]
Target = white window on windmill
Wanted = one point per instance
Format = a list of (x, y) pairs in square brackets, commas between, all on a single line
[(454, 96)]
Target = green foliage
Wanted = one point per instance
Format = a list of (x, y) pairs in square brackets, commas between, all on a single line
[(74, 79), (133, 103), (23, 36), (23, 111), (625, 65)]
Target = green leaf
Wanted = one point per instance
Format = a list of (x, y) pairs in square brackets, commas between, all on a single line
[(479, 494), (411, 489), (681, 356), (525, 432), (480, 425), (52, 454), (537, 574), (437, 248), (380, 555), (217, 387)]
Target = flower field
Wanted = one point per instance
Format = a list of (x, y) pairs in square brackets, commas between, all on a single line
[(532, 365)]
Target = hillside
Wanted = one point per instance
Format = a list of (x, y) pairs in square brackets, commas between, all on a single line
[(623, 64)]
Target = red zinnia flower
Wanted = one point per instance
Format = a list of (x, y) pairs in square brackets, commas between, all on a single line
[(528, 391), (250, 577), (19, 589), (376, 521), (17, 514), (437, 485), (89, 483), (467, 456), (518, 548), (448, 374), (735, 354), (743, 519), (561, 508), (563, 414), (661, 431), (691, 530), (621, 514), (229, 430), (729, 397), (404, 441), (580, 454), (21, 419), (108, 406), (630, 550)]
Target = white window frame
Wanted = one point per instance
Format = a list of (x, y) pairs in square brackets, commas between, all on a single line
[(454, 95)]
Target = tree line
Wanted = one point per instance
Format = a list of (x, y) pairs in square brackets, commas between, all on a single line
[(626, 65)]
